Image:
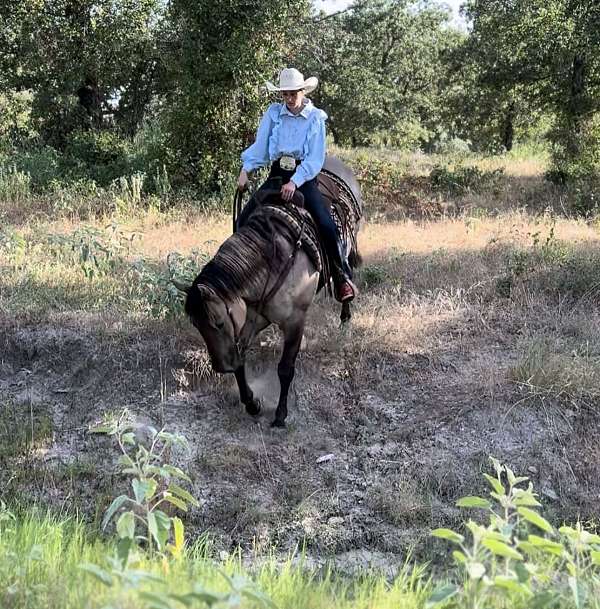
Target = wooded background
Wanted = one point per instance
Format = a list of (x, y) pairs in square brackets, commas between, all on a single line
[(96, 89)]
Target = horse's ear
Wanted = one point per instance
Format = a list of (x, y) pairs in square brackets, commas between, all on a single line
[(181, 287), (205, 292)]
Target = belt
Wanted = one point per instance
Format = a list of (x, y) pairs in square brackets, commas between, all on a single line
[(287, 163)]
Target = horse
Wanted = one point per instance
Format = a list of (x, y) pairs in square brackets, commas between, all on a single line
[(267, 272)]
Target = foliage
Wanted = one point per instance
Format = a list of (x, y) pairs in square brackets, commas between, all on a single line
[(155, 285), (15, 111), (463, 179), (101, 156), (518, 556), (15, 185), (584, 194), (543, 52), (12, 244), (82, 60), (373, 275), (145, 457), (380, 65), (91, 249), (214, 106)]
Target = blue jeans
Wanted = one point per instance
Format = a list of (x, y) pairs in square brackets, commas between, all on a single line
[(315, 205)]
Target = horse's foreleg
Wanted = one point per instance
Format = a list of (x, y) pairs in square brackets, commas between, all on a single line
[(286, 369), (246, 395)]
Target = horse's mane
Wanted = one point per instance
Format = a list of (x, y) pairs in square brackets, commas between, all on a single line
[(238, 263)]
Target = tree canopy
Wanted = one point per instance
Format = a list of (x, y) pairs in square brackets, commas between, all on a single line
[(392, 72)]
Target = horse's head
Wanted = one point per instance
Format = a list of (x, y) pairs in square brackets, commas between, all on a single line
[(220, 323)]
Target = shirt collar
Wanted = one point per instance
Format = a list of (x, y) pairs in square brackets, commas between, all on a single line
[(305, 112)]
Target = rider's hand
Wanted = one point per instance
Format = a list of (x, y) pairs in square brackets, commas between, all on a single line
[(288, 190), (243, 180)]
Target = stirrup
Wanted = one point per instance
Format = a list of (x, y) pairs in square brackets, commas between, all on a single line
[(345, 291)]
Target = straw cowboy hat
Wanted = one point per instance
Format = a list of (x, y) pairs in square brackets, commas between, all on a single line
[(291, 79)]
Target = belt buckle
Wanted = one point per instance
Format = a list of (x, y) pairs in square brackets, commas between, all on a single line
[(287, 163)]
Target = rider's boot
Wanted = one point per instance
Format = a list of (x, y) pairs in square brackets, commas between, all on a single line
[(345, 290)]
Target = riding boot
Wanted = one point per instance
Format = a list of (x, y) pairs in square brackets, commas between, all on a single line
[(341, 273)]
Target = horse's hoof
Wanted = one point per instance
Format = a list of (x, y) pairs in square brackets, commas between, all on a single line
[(278, 423), (253, 408)]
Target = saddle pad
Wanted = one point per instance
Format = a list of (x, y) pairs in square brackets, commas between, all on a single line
[(301, 227)]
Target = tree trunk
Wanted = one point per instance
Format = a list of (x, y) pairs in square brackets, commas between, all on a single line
[(508, 130), (91, 99)]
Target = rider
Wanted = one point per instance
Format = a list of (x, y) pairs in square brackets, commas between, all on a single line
[(291, 136)]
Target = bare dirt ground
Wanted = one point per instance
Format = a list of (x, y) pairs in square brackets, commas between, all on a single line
[(407, 403)]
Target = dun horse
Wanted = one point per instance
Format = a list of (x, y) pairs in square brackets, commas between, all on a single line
[(267, 273)]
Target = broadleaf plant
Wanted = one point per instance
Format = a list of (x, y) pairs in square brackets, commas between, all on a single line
[(513, 559)]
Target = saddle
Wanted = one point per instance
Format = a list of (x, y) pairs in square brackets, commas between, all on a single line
[(292, 220)]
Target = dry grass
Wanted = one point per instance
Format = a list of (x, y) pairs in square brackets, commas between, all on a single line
[(440, 367)]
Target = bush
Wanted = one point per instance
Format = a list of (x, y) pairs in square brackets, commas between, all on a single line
[(102, 156), (463, 179), (575, 152), (584, 196), (15, 185), (40, 163)]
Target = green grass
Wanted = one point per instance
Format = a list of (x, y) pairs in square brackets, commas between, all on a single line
[(41, 554)]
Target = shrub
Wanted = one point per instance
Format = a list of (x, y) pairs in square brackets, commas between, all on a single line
[(463, 179), (41, 163), (575, 151), (102, 156), (584, 196), (154, 286), (15, 185)]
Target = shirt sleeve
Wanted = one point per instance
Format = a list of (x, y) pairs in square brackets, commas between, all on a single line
[(313, 161), (257, 154)]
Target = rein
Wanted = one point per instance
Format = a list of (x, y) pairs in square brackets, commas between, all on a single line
[(236, 208)]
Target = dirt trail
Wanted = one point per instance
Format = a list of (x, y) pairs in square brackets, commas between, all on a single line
[(410, 432)]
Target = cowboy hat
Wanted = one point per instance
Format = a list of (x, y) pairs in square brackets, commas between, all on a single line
[(291, 79)]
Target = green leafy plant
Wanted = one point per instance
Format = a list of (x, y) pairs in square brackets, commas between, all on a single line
[(15, 185), (141, 514), (374, 275), (463, 179), (154, 284), (513, 559), (142, 522), (13, 244), (6, 516), (128, 192), (95, 251)]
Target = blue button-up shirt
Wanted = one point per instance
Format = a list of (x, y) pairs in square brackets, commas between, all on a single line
[(282, 133)]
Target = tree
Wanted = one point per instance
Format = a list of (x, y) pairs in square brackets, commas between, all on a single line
[(490, 114), (380, 65), (549, 50), (77, 55), (221, 54)]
